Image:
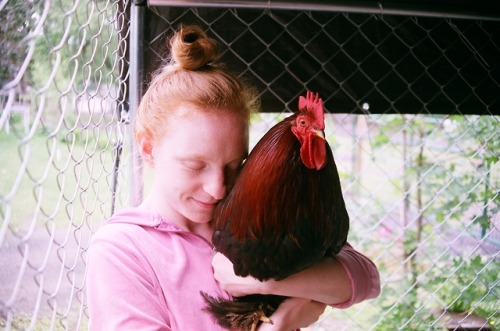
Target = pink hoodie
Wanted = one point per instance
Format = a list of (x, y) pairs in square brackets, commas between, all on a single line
[(146, 274)]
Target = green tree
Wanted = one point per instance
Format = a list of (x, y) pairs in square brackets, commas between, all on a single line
[(80, 42), (447, 186), (16, 20)]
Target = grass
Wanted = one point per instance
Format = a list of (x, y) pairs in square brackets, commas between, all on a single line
[(61, 179), (23, 322), (54, 192)]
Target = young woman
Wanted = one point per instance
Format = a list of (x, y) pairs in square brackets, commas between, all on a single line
[(148, 264)]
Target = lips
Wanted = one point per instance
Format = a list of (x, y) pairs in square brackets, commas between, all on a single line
[(205, 205)]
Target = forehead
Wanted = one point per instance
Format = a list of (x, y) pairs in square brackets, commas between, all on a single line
[(207, 132), (208, 120)]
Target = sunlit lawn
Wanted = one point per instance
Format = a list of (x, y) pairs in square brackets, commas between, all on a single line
[(61, 179)]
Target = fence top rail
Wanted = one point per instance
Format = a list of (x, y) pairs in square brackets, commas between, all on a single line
[(482, 10)]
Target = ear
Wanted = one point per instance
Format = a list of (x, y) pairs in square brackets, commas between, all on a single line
[(145, 145)]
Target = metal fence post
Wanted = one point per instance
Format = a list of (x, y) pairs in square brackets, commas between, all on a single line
[(135, 93)]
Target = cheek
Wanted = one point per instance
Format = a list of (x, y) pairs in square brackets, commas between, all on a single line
[(173, 180)]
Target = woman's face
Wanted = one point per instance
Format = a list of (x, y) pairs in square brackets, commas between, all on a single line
[(196, 163)]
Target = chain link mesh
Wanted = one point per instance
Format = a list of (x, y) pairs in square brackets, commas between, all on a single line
[(412, 122), (60, 137)]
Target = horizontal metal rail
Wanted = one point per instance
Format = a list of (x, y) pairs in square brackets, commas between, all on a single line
[(457, 10)]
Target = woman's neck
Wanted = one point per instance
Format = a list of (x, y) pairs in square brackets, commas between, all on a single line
[(204, 230)]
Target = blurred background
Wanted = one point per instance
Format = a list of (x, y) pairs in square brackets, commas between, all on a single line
[(412, 91)]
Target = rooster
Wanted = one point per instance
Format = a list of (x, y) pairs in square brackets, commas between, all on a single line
[(285, 212)]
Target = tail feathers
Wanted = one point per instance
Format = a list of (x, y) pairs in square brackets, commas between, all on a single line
[(242, 313)]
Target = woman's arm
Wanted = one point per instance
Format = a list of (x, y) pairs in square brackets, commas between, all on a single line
[(363, 276), (340, 281), (293, 314)]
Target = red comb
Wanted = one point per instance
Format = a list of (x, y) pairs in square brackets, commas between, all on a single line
[(313, 103)]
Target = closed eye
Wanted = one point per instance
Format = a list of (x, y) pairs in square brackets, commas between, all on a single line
[(194, 165)]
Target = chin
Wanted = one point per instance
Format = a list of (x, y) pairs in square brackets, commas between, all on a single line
[(203, 218)]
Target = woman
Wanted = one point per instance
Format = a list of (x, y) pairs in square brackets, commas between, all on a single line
[(148, 264)]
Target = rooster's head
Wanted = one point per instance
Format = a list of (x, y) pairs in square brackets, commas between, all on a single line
[(308, 126)]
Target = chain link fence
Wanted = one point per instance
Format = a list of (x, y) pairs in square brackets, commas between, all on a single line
[(412, 101)]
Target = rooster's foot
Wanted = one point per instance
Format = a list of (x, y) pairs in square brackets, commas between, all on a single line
[(262, 318)]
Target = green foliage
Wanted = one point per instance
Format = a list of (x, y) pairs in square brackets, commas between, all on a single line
[(16, 20), (79, 41), (460, 186), (404, 311), (447, 178), (480, 146), (471, 286)]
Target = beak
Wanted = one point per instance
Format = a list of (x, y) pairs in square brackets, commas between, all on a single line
[(319, 133)]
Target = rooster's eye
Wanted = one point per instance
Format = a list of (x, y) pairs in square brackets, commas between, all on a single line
[(303, 122)]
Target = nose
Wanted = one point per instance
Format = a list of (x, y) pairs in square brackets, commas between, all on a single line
[(215, 185)]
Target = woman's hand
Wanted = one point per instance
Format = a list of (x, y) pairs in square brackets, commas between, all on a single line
[(229, 282), (294, 313)]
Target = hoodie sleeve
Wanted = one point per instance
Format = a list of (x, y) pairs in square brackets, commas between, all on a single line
[(362, 273)]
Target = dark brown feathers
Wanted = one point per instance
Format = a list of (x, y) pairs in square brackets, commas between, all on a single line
[(281, 216)]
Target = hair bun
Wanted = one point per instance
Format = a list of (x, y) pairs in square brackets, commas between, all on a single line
[(192, 49)]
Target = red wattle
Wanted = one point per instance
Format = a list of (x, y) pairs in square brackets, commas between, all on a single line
[(313, 152)]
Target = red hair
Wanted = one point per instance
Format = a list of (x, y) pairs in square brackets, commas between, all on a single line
[(192, 78)]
